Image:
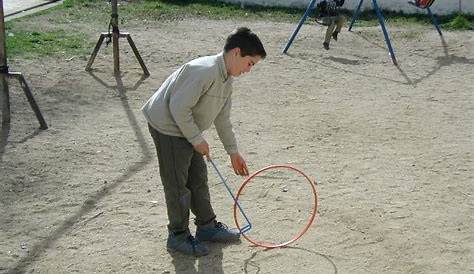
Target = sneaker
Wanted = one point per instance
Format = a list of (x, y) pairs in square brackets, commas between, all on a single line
[(186, 244), (334, 35), (326, 45), (217, 232)]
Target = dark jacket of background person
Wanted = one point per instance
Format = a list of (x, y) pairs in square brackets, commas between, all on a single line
[(329, 7)]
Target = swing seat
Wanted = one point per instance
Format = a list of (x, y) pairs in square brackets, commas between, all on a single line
[(325, 20), (422, 4)]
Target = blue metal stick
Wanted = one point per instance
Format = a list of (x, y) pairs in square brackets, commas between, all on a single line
[(307, 12), (382, 24), (246, 227), (385, 33), (435, 22), (356, 14)]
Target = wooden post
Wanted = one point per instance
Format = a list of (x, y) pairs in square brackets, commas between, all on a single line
[(115, 36), (5, 74), (4, 71)]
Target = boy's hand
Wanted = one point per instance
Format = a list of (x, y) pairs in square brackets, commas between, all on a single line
[(239, 165), (202, 148)]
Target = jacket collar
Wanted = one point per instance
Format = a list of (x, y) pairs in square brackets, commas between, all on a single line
[(222, 68)]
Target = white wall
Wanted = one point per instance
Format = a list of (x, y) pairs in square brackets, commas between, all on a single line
[(438, 7)]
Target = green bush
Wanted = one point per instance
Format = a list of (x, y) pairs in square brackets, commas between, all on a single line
[(460, 22)]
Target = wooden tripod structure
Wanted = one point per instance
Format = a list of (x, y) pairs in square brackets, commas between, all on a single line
[(114, 36), (5, 75)]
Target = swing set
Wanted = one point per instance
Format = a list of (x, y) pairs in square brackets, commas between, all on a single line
[(421, 4)]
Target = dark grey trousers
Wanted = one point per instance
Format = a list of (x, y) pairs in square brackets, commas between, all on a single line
[(183, 173)]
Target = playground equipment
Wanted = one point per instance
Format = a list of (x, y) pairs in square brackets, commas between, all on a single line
[(382, 25), (421, 4), (114, 36), (426, 4), (282, 169), (309, 9), (244, 229), (5, 74)]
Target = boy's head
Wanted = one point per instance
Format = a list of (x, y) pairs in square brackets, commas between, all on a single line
[(243, 49)]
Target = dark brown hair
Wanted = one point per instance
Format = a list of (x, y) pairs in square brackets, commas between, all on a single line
[(247, 41)]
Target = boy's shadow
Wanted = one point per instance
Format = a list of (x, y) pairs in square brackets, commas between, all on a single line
[(212, 263)]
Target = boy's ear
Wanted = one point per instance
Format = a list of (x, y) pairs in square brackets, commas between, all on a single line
[(236, 51)]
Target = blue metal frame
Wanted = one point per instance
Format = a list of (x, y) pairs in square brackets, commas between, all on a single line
[(307, 12), (433, 18), (356, 15), (382, 24), (354, 18), (246, 227), (435, 22)]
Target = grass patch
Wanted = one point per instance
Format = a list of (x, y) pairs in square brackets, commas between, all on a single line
[(209, 9), (30, 44), (460, 22)]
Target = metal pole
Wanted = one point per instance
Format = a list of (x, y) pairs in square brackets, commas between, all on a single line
[(4, 71), (249, 225), (435, 22), (115, 37), (307, 12), (356, 14), (385, 33)]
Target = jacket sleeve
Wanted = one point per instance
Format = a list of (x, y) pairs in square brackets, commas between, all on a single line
[(224, 128), (185, 94)]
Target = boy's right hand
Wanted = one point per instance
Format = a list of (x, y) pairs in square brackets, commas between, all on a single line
[(202, 148)]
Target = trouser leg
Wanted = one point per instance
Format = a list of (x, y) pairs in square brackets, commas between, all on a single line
[(329, 31), (341, 20), (174, 158), (198, 185)]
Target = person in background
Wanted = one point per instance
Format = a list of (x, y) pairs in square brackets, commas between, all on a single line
[(329, 14)]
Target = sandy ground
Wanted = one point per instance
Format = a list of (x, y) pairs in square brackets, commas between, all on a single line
[(391, 150)]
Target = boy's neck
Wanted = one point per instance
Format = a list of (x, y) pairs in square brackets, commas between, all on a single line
[(228, 61)]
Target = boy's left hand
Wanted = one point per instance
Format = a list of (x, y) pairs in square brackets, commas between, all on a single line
[(239, 165)]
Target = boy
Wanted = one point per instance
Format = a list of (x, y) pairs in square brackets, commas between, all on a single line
[(331, 17), (187, 103)]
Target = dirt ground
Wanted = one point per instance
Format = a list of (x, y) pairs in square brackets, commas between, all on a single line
[(391, 149)]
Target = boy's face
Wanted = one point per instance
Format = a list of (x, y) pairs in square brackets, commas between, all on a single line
[(241, 65)]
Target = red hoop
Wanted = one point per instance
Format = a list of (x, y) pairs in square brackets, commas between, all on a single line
[(303, 231)]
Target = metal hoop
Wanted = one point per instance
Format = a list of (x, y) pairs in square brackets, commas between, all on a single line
[(308, 224)]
